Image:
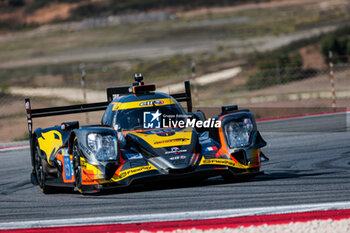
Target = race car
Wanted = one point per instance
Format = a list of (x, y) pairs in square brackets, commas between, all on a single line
[(144, 136)]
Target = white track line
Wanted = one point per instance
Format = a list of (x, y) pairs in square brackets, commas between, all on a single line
[(193, 215)]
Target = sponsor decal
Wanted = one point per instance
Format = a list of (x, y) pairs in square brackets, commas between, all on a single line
[(172, 140), (166, 134), (151, 120), (225, 162), (68, 167), (30, 125), (133, 171), (161, 132), (134, 156), (210, 148), (27, 105), (140, 104), (181, 138), (151, 102), (177, 157), (175, 150), (85, 149)]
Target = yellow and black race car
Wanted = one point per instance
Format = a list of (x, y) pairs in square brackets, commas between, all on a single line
[(144, 136)]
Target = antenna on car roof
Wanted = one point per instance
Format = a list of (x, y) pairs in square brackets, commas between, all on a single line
[(138, 79)]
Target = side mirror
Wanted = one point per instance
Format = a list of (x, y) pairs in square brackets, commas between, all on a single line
[(199, 115), (228, 109), (68, 126)]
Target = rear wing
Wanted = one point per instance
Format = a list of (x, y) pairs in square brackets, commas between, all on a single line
[(112, 92), (56, 111)]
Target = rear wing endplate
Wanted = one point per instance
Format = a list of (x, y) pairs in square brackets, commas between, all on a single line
[(185, 97)]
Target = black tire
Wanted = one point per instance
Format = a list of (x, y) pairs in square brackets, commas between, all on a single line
[(39, 171), (76, 166), (33, 178)]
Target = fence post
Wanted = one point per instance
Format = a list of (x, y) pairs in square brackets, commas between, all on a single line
[(331, 76), (83, 87), (195, 88)]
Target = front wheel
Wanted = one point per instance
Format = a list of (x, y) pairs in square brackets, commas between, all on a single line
[(76, 166)]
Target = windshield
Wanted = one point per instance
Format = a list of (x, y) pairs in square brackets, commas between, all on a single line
[(147, 117)]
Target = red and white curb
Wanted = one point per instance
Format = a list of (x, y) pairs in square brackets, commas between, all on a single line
[(211, 224), (12, 148), (211, 219)]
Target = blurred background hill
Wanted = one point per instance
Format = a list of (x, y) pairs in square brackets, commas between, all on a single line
[(19, 13), (256, 54)]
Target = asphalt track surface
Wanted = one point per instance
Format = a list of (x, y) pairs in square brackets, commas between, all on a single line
[(310, 163)]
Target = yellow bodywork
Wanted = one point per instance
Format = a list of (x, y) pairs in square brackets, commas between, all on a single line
[(133, 171), (122, 174), (231, 163), (180, 138), (141, 104), (49, 143)]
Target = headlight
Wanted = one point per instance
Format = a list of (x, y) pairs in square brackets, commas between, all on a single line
[(238, 132), (104, 147)]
